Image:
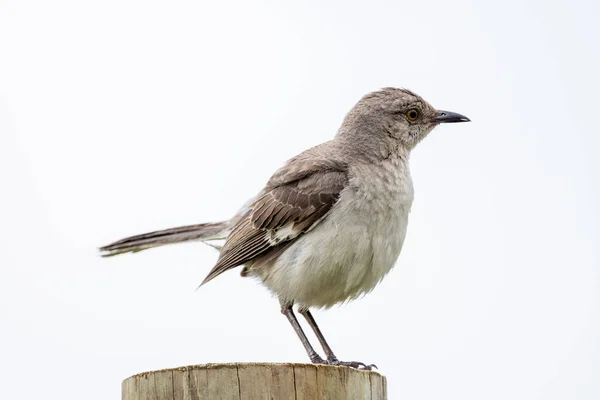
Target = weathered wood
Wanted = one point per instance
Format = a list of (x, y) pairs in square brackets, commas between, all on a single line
[(256, 381)]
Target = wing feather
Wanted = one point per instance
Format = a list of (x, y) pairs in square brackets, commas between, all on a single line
[(299, 202)]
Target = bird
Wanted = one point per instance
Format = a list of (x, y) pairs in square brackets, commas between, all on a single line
[(331, 222)]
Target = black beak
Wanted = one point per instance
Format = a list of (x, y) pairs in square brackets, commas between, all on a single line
[(448, 116)]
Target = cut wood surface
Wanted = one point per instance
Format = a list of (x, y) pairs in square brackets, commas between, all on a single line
[(256, 381)]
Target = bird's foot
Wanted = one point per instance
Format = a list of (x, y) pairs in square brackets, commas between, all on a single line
[(351, 364)]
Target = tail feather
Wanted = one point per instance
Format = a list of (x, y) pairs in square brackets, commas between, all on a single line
[(199, 232)]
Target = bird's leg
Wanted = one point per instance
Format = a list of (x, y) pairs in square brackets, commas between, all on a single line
[(331, 358), (313, 324), (315, 358)]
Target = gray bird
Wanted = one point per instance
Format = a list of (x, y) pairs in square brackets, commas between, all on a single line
[(330, 223)]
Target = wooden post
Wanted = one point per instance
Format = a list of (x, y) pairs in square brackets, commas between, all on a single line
[(256, 381)]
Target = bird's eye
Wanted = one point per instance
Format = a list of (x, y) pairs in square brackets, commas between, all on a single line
[(412, 115)]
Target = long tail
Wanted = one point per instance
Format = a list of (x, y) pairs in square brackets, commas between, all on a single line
[(201, 232)]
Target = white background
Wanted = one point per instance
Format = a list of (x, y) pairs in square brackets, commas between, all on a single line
[(119, 117)]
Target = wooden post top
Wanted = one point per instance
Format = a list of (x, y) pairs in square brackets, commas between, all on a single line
[(256, 381)]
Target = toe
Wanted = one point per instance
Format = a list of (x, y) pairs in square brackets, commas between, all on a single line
[(355, 364)]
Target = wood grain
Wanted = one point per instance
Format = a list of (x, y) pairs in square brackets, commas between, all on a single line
[(256, 381)]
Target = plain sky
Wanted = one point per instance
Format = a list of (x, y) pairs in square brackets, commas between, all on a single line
[(119, 117)]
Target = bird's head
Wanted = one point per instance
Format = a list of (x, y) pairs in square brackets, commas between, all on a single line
[(393, 115)]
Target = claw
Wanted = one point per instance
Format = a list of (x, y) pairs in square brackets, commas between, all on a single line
[(351, 364), (356, 364)]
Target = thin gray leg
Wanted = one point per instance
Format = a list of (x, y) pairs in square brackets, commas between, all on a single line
[(315, 358), (313, 324), (331, 358)]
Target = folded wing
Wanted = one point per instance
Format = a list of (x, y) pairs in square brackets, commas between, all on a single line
[(295, 200)]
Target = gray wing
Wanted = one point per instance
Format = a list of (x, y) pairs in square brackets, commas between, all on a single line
[(293, 202)]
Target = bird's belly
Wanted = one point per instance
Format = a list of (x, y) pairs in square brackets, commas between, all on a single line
[(344, 256)]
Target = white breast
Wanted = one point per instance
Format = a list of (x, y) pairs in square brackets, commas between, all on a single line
[(354, 247)]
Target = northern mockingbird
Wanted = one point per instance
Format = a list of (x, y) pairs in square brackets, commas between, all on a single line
[(330, 223)]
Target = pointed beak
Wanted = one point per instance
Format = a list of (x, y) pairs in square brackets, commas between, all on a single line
[(449, 116)]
